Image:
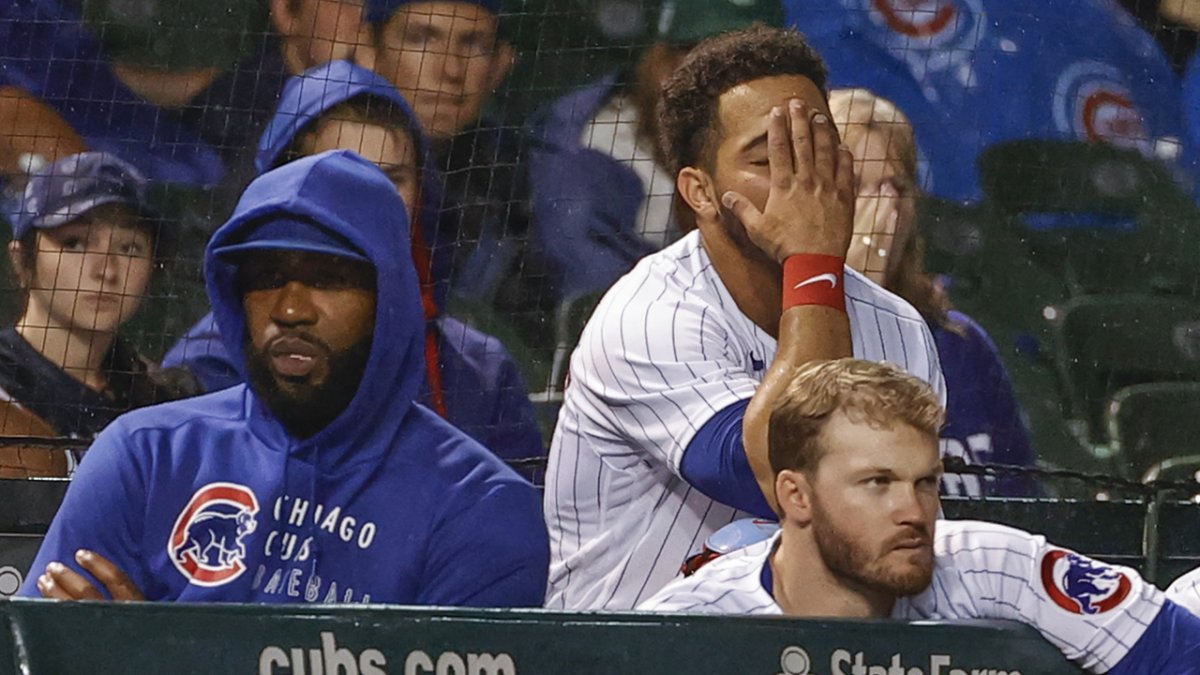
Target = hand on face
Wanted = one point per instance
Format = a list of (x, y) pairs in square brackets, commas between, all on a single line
[(810, 205), (60, 582), (879, 217)]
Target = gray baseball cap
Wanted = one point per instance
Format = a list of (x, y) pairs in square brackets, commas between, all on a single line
[(65, 190)]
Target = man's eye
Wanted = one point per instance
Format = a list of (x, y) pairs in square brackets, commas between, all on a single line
[(878, 481), (74, 244)]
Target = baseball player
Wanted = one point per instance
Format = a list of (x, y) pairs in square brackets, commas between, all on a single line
[(854, 448), (662, 436), (321, 479)]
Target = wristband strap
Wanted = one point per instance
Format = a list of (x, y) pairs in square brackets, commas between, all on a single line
[(812, 279)]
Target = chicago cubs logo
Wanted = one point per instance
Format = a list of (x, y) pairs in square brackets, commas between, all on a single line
[(1083, 586), (1092, 103), (916, 18), (207, 543)]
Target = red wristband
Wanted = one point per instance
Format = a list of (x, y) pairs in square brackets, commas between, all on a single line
[(811, 279)]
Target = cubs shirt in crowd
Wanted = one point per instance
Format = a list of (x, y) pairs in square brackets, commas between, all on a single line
[(1102, 617), (972, 73), (211, 499)]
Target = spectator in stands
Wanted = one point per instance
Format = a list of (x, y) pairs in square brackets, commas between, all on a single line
[(83, 252), (854, 449), (470, 379), (984, 423), (973, 73), (322, 480), (447, 57), (313, 32), (602, 197)]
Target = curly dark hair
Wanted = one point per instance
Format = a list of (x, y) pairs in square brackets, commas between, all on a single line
[(687, 113)]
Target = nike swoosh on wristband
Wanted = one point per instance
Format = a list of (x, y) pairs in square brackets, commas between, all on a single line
[(828, 276)]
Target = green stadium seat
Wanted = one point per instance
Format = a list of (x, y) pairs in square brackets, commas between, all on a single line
[(1105, 343), (1154, 428), (1106, 219), (177, 34)]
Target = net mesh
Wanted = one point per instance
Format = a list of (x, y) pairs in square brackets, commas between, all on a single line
[(1032, 178)]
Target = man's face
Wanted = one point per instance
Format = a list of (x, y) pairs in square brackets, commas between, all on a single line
[(320, 30), (874, 504), (445, 59), (740, 161), (310, 318), (392, 151)]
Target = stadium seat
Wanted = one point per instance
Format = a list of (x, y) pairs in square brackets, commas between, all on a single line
[(177, 34), (1106, 219), (1104, 343), (1154, 428)]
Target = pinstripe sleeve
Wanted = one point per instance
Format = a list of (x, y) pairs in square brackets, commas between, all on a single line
[(654, 371), (1092, 611)]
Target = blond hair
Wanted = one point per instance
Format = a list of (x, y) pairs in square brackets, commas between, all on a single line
[(879, 394), (858, 112)]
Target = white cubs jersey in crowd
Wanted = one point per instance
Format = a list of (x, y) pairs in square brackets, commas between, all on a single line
[(1185, 592), (1093, 612), (665, 350)]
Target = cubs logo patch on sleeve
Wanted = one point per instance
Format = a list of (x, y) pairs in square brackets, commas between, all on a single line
[(1083, 586), (207, 543)]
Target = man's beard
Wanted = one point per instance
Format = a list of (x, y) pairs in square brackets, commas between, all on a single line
[(736, 231), (847, 559), (302, 408)]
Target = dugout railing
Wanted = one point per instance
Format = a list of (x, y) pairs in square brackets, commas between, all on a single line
[(64, 639)]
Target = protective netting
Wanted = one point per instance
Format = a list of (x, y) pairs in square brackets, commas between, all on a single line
[(1048, 170)]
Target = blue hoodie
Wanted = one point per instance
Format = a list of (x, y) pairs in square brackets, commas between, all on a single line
[(210, 499), (482, 387)]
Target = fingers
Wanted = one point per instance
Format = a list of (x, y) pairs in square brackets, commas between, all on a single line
[(844, 173), (825, 149), (119, 586), (779, 149), (63, 583), (741, 207), (802, 140)]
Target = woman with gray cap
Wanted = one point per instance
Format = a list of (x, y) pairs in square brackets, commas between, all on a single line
[(83, 255)]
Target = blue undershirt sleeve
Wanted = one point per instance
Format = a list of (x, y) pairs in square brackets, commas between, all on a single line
[(715, 463), (1170, 646)]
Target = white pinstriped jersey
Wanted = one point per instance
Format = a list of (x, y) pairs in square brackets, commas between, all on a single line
[(1093, 612), (1185, 592), (666, 349)]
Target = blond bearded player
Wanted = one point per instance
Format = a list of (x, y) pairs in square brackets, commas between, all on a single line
[(662, 436), (855, 454)]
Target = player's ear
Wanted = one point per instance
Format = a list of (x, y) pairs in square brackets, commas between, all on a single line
[(697, 190), (794, 494)]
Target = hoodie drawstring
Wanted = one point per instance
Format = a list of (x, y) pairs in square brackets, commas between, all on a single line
[(423, 260)]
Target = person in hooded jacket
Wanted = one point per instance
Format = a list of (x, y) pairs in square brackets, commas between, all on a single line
[(321, 480), (471, 380)]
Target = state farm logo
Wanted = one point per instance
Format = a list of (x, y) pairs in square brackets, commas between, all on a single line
[(1083, 586), (1092, 103), (207, 543)]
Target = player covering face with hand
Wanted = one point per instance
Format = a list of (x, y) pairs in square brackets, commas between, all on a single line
[(662, 436), (854, 449)]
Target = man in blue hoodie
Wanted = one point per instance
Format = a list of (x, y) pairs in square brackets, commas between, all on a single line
[(471, 380), (321, 480)]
